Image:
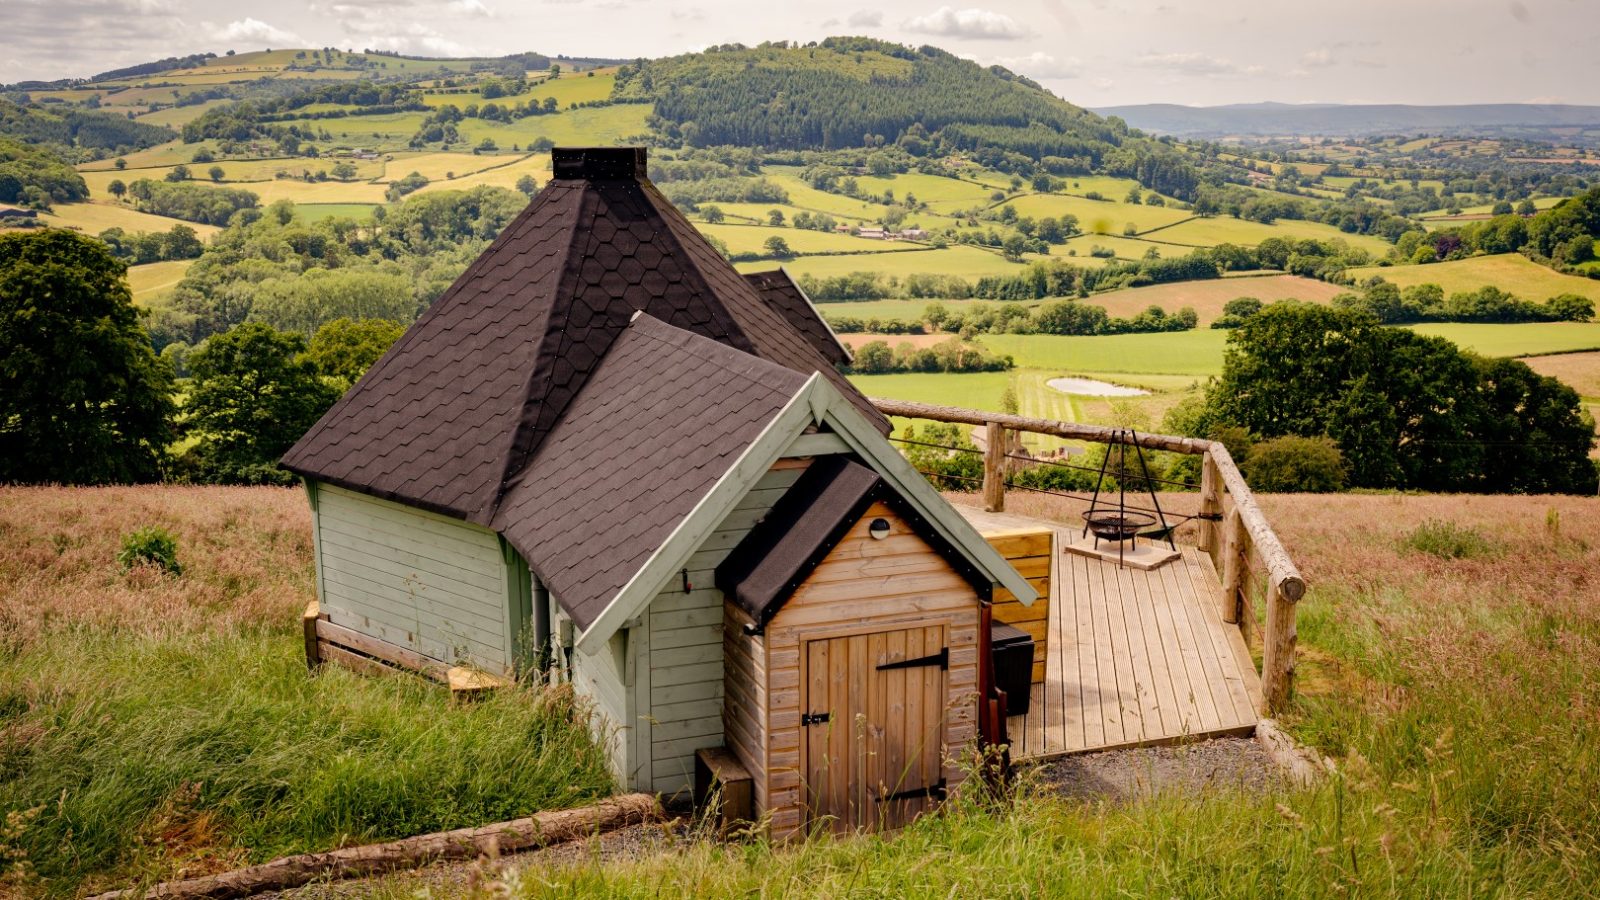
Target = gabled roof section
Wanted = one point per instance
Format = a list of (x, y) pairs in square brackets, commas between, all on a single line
[(449, 417), (806, 523), (819, 404), (783, 294), (663, 417)]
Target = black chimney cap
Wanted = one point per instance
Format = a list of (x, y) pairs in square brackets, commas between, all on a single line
[(591, 163)]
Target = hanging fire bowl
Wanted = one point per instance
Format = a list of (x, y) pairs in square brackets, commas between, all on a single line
[(1116, 525)]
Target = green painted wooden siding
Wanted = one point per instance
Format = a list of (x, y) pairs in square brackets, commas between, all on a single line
[(680, 707), (436, 585), (601, 678)]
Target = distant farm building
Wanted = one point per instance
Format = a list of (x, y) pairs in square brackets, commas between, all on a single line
[(605, 456)]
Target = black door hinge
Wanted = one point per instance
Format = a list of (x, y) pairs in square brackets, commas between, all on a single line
[(933, 791), (813, 718), (940, 659)]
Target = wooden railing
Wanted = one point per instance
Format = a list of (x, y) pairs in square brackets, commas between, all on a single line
[(1237, 537)]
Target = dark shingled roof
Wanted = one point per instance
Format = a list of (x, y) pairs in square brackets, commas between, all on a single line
[(451, 415), (806, 523), (662, 418), (782, 294)]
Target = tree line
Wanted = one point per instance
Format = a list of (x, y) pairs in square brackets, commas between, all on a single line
[(110, 410), (1402, 410)]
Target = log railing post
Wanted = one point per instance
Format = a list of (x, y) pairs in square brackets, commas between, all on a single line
[(994, 467), (1210, 507), (1277, 654), (1233, 565)]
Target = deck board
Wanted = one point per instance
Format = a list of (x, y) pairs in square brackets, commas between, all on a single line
[(1134, 657)]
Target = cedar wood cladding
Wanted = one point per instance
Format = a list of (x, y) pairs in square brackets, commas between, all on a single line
[(806, 524), (450, 416), (766, 687)]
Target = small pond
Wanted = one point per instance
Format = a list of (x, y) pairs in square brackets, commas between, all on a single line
[(1091, 388)]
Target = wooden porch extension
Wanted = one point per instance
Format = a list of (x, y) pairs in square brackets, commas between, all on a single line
[(1132, 657)]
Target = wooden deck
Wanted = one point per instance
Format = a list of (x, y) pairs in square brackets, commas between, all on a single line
[(1134, 657)]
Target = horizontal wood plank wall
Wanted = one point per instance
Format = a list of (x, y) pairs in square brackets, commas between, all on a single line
[(865, 585), (600, 677), (685, 708), (412, 578), (744, 702), (1030, 551)]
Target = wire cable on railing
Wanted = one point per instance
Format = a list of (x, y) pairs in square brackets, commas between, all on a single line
[(1044, 462), (1187, 518)]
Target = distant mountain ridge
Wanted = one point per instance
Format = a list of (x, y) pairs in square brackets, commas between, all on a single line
[(1529, 120)]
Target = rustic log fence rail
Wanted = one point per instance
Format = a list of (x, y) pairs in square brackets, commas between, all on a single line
[(1238, 538)]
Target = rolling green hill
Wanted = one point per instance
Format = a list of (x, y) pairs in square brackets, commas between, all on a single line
[(850, 92)]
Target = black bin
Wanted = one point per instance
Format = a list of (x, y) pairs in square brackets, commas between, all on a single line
[(1013, 665)]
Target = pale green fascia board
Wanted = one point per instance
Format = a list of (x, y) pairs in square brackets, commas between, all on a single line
[(842, 416), (802, 410)]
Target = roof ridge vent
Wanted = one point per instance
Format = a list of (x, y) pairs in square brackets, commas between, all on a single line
[(599, 163)]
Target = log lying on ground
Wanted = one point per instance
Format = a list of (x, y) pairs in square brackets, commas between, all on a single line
[(540, 830)]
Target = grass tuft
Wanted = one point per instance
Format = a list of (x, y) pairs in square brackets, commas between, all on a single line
[(1447, 540)]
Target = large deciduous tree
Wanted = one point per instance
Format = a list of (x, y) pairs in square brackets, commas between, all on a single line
[(253, 394), (1407, 411), (83, 397)]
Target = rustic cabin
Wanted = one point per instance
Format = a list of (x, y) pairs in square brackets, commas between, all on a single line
[(604, 455)]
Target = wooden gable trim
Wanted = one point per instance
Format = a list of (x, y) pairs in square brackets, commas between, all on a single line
[(800, 412), (876, 450)]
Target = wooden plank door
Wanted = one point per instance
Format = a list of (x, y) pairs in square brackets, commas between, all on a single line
[(873, 718)]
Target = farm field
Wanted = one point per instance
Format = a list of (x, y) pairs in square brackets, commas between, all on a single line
[(1197, 352), (1098, 216), (957, 259), (1511, 272), (1081, 249), (437, 166), (1521, 339), (1581, 371), (1213, 230), (941, 194), (1206, 297), (93, 218), (316, 212), (597, 126), (983, 390), (152, 282), (1485, 209), (752, 238), (1209, 297)]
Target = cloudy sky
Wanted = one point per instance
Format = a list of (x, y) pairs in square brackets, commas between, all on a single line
[(1092, 52)]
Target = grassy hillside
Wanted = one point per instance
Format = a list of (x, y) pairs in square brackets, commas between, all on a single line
[(1511, 272), (1450, 691), (154, 724), (832, 94)]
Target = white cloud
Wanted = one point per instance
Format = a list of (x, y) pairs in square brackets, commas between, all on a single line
[(975, 24), (1319, 58), (413, 39), (473, 8), (1197, 64), (865, 18), (254, 31), (1039, 64)]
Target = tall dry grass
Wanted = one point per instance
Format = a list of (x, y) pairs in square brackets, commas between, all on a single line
[(247, 552), (153, 726)]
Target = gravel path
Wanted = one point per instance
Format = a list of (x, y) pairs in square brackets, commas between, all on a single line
[(1122, 775)]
